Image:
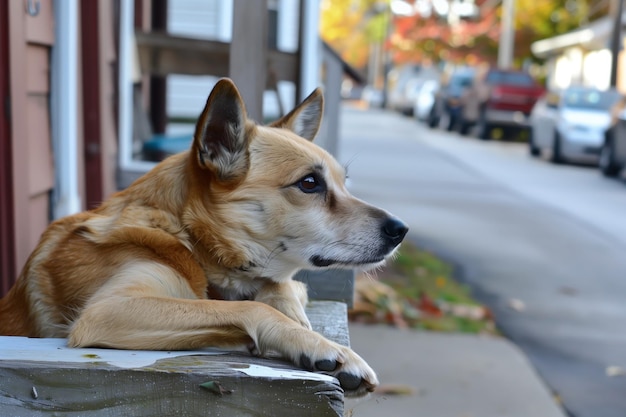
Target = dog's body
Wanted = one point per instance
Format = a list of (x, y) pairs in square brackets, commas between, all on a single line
[(237, 215)]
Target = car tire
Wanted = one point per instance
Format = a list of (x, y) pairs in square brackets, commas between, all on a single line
[(533, 149), (464, 127), (451, 123), (557, 152), (484, 132), (607, 163), (433, 119), (484, 128)]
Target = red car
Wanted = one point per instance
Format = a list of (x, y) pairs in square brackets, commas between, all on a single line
[(501, 98)]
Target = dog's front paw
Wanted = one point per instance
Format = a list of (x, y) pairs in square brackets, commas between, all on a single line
[(311, 350), (355, 376)]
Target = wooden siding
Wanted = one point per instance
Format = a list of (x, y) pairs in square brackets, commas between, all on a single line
[(38, 140), (30, 42), (195, 18), (40, 28), (186, 95)]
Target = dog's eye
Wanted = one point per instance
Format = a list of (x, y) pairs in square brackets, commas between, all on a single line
[(311, 184)]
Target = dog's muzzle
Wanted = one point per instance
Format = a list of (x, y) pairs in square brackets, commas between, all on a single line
[(392, 231)]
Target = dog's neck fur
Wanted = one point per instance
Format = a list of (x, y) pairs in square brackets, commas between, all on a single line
[(237, 271)]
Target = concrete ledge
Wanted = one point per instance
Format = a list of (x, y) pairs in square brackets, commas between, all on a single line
[(44, 377), (332, 284)]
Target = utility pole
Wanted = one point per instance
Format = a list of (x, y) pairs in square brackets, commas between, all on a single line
[(616, 40), (507, 34)]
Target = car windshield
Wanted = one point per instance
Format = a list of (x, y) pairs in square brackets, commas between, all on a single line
[(510, 78), (459, 82), (589, 99)]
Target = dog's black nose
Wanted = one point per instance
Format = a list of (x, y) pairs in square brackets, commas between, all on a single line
[(394, 230)]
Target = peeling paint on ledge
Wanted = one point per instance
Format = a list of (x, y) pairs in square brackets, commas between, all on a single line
[(273, 373), (56, 350)]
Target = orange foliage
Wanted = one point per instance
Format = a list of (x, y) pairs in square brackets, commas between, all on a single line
[(352, 26)]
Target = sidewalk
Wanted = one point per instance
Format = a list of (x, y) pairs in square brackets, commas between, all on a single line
[(448, 375), (437, 374)]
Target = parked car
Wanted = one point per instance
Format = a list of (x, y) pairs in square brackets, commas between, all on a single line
[(425, 99), (372, 96), (613, 152), (404, 84), (403, 101), (499, 98), (400, 89), (448, 100), (572, 123)]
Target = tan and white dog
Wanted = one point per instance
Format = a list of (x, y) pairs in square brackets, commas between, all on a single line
[(237, 215)]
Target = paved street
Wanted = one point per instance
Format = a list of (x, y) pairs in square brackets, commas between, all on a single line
[(543, 246)]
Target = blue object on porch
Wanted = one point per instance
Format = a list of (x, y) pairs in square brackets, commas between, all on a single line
[(160, 146)]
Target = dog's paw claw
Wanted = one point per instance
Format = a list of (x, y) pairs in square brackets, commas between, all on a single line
[(352, 372), (326, 365), (348, 381)]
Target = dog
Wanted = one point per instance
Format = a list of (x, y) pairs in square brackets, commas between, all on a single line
[(201, 250)]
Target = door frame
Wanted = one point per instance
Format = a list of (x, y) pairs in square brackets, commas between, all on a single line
[(7, 231), (91, 91)]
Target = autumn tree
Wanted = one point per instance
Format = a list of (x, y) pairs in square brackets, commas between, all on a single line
[(351, 26), (435, 38), (536, 20)]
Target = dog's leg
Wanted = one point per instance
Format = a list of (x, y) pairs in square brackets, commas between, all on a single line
[(146, 308), (288, 297)]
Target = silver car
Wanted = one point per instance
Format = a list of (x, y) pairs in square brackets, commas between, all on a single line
[(571, 124)]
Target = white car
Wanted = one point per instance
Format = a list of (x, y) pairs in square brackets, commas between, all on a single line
[(571, 124), (425, 99)]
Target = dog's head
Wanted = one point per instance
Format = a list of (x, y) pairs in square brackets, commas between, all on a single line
[(282, 201)]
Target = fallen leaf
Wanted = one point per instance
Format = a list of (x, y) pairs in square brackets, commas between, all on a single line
[(394, 389), (216, 388), (568, 291), (615, 371), (440, 282), (428, 306), (464, 310), (517, 305)]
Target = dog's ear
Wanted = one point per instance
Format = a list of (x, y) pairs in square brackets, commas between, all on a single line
[(306, 118), (221, 140)]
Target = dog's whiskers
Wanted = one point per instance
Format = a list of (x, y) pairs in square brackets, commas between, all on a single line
[(372, 274), (272, 255)]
